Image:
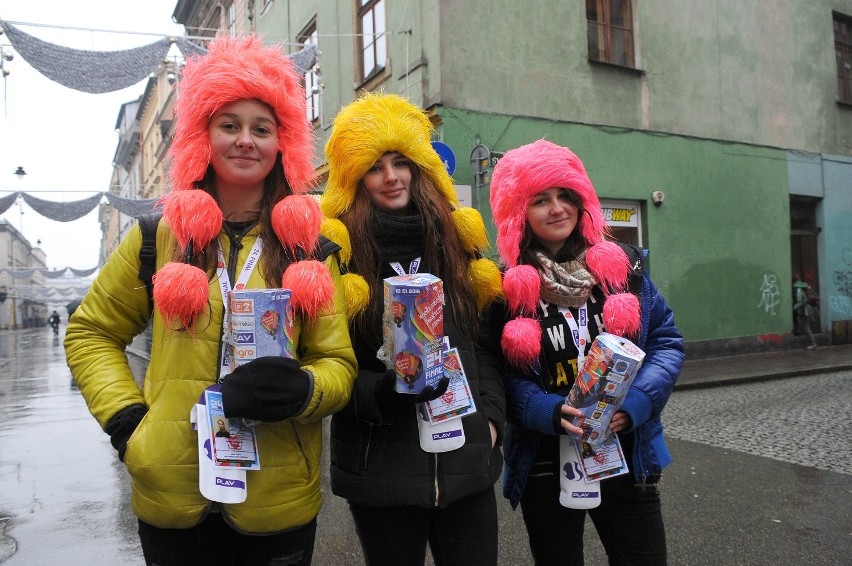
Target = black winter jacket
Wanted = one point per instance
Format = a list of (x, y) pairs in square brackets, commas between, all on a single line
[(376, 458)]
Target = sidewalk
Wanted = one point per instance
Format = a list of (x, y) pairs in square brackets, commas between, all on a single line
[(727, 370)]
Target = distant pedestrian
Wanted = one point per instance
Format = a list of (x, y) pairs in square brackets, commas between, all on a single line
[(54, 321), (802, 310)]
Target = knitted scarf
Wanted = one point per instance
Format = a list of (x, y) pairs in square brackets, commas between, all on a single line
[(400, 237), (567, 284)]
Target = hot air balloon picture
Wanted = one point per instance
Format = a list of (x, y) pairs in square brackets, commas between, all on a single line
[(271, 321), (408, 367), (398, 311)]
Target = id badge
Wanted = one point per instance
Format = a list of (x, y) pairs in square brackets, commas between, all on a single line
[(233, 440)]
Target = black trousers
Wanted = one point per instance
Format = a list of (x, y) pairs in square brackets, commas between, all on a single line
[(214, 543), (629, 521), (465, 533)]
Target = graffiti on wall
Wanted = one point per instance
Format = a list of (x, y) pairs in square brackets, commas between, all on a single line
[(769, 294), (840, 305), (843, 276)]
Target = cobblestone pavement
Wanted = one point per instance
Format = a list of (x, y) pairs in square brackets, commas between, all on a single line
[(801, 420)]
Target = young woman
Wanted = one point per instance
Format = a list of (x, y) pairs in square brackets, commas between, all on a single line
[(561, 271), (240, 159), (393, 208)]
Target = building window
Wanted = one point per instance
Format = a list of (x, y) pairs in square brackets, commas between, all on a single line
[(312, 82), (610, 31), (843, 53), (232, 20), (372, 38)]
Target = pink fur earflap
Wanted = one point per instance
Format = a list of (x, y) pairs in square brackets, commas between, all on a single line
[(609, 264), (311, 284), (521, 341), (622, 315), (192, 215), (296, 220), (522, 289), (180, 293)]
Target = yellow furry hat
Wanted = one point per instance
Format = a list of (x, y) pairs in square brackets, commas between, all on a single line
[(365, 130)]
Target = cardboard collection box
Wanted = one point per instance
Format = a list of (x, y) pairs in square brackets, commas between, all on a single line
[(414, 330), (260, 324), (600, 387)]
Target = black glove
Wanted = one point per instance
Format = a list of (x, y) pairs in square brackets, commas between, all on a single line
[(388, 398), (121, 426), (267, 389)]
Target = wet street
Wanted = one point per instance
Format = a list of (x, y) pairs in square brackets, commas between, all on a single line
[(762, 474)]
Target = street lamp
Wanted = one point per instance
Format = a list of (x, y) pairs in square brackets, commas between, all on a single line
[(19, 173)]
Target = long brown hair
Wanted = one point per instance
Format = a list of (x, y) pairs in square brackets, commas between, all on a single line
[(274, 258), (442, 253)]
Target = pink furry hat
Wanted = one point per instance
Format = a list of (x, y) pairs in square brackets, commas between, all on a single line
[(522, 173), (238, 68)]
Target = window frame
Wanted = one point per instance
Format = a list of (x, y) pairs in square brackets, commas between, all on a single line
[(377, 37), (311, 78), (842, 25), (232, 19), (603, 32)]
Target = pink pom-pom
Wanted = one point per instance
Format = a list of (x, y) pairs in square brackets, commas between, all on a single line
[(296, 220), (180, 292), (609, 264), (521, 341), (622, 315), (192, 215), (311, 284), (522, 289)]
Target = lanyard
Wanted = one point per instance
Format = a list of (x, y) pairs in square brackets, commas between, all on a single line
[(225, 286), (579, 331), (412, 268)]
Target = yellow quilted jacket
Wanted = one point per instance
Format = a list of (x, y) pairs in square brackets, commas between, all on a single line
[(162, 454)]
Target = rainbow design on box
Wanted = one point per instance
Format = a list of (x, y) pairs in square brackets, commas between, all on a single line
[(414, 330), (260, 324)]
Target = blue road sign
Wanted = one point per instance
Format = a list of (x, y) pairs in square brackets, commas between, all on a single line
[(446, 154)]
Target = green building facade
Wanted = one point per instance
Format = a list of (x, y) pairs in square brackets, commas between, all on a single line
[(733, 112)]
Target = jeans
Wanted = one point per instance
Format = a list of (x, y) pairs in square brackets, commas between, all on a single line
[(629, 521), (214, 543), (803, 322), (464, 534)]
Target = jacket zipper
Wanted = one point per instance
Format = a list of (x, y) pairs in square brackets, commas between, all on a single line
[(437, 491), (367, 448), (638, 462)]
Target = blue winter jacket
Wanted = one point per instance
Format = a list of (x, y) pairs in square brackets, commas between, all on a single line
[(530, 408)]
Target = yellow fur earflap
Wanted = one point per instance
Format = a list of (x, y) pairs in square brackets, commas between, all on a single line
[(357, 294), (336, 231), (484, 277), (471, 229)]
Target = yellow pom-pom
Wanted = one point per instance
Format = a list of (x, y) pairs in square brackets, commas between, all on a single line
[(357, 293), (336, 231), (471, 229), (484, 278)]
